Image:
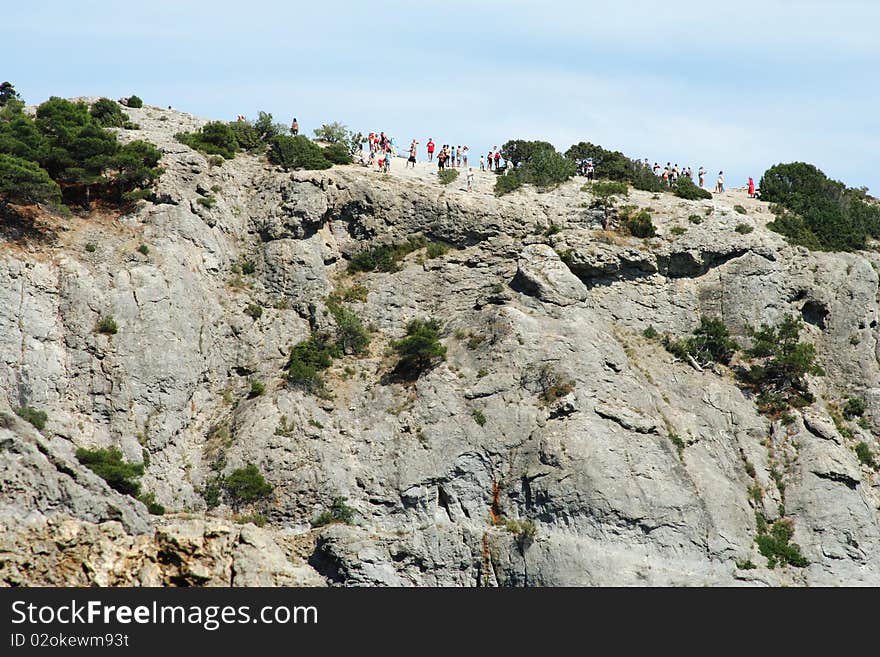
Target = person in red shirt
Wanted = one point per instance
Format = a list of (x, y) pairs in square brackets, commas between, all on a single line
[(430, 150), (751, 187), (497, 159)]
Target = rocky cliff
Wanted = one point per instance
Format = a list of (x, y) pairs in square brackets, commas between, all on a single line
[(639, 469)]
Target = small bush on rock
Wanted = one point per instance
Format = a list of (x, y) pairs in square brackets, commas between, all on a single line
[(297, 153), (419, 350), (447, 176), (32, 415), (108, 464), (135, 102), (339, 511), (247, 484), (686, 189)]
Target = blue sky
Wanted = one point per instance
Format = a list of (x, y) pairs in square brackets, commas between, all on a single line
[(732, 86)]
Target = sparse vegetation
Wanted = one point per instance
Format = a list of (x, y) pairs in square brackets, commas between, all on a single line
[(307, 359), (744, 229), (552, 384), (258, 388), (606, 194), (207, 201), (386, 257), (107, 325), (351, 336), (143, 249), (447, 176), (740, 209), (865, 455), (254, 311), (775, 545), (854, 407), (91, 247), (153, 507), (478, 416), (32, 415), (339, 512), (650, 332), (436, 250), (524, 532), (678, 230), (135, 102), (695, 219), (355, 293)]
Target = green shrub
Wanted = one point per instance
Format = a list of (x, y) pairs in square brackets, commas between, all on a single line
[(814, 211), (447, 176), (854, 407), (606, 194), (22, 181), (108, 464), (610, 165), (640, 225), (339, 511), (778, 549), (247, 484), (744, 229), (740, 209), (338, 154), (745, 564), (650, 332), (552, 384), (248, 267), (135, 102), (8, 93), (351, 336), (91, 247), (386, 257), (678, 230), (710, 342), (107, 113), (212, 493), (215, 161), (254, 311), (436, 250), (107, 325), (246, 136), (355, 293), (507, 184), (784, 362), (333, 133), (307, 359), (213, 138), (267, 128), (695, 219), (419, 350), (297, 153), (32, 415), (686, 189), (478, 416), (258, 389), (143, 249), (865, 455), (534, 162), (524, 532), (153, 507)]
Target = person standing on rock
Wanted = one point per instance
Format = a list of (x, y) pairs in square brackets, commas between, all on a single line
[(482, 163), (294, 127), (751, 187), (464, 154), (719, 184), (430, 150), (470, 179), (701, 174), (497, 159), (489, 160)]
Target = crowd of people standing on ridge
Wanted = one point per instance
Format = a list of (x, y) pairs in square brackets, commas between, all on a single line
[(381, 147)]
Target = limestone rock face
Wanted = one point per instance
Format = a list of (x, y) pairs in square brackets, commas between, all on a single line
[(555, 445)]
